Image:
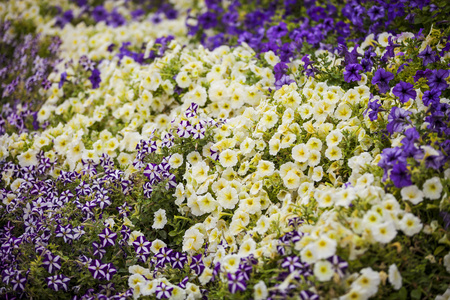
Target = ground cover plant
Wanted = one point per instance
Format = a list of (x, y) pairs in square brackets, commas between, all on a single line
[(225, 150)]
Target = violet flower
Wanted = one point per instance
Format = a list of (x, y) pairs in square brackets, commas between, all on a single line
[(236, 282), (437, 79), (352, 71), (428, 56), (404, 91), (398, 119), (382, 78)]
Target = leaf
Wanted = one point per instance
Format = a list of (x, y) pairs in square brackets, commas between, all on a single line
[(416, 294), (402, 294), (438, 250)]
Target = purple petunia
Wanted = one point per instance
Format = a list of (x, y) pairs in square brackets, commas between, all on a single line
[(141, 245), (292, 263), (236, 282), (404, 91), (197, 264), (352, 71), (163, 291), (400, 175), (382, 79), (398, 119), (58, 282), (428, 56), (437, 79), (178, 260), (95, 79), (97, 269), (51, 262), (107, 237)]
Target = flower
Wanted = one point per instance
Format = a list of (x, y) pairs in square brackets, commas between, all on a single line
[(52, 262), (404, 91), (107, 237), (58, 282), (400, 175), (432, 188), (395, 278), (398, 118), (95, 79), (260, 291), (412, 194), (236, 282), (351, 72), (160, 219), (437, 79), (428, 56), (97, 269), (382, 79), (323, 270)]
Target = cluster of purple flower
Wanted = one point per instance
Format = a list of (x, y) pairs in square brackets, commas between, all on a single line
[(21, 65)]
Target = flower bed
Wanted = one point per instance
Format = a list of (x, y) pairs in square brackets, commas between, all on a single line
[(191, 150)]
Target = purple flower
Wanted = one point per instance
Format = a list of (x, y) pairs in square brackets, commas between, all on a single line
[(163, 291), (163, 256), (351, 72), (148, 189), (284, 80), (437, 79), (141, 245), (178, 260), (236, 282), (404, 91), (277, 31), (400, 175), (98, 250), (184, 129), (382, 78), (107, 237), (198, 132), (97, 269), (398, 119), (51, 262), (58, 282), (192, 110), (375, 13), (428, 56), (292, 263), (422, 74), (110, 271), (431, 96), (339, 265), (197, 264), (65, 232), (373, 109), (152, 172), (208, 20), (308, 295), (95, 79), (18, 282)]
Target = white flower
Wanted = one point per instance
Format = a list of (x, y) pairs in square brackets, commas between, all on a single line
[(333, 153), (160, 219), (323, 270), (300, 153), (176, 160), (432, 188), (410, 224), (183, 80), (193, 239), (265, 168), (271, 58), (412, 194), (447, 262), (325, 247), (395, 278), (368, 282), (228, 197), (228, 158), (291, 180), (200, 172), (260, 291), (384, 232)]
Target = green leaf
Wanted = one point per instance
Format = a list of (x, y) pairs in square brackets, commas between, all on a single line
[(402, 294), (439, 250), (416, 294)]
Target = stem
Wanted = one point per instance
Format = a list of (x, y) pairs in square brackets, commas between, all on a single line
[(182, 218)]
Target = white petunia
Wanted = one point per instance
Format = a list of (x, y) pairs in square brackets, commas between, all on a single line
[(432, 188), (160, 219), (395, 278), (412, 193), (260, 291), (228, 158), (323, 270)]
